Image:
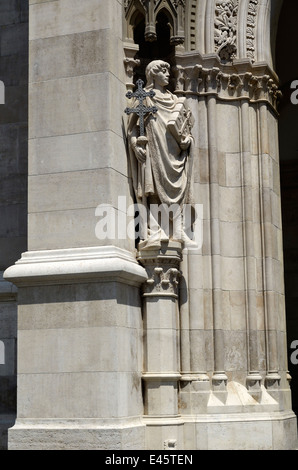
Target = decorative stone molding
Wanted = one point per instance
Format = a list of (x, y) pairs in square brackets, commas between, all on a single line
[(250, 31), (225, 33), (253, 385), (94, 264), (162, 280), (227, 83), (129, 65), (174, 9), (190, 25), (8, 292)]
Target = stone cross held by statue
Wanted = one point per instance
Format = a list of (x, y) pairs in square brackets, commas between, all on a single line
[(141, 110)]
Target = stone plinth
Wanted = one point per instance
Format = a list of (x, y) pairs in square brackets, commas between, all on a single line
[(79, 341)]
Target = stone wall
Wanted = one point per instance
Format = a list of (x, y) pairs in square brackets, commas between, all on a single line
[(79, 337), (13, 187)]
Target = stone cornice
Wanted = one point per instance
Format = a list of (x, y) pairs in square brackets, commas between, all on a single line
[(98, 264)]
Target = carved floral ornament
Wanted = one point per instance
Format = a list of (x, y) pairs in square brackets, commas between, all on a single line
[(225, 33), (226, 25)]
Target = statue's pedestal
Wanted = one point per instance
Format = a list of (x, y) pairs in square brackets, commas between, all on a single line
[(79, 327), (161, 346)]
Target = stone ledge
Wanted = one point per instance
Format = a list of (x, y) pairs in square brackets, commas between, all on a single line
[(50, 267)]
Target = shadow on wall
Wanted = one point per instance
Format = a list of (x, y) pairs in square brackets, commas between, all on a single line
[(287, 70)]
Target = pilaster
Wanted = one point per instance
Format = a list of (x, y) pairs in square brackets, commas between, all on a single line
[(79, 341), (80, 325)]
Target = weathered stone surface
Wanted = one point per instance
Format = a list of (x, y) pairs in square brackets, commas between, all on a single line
[(189, 351)]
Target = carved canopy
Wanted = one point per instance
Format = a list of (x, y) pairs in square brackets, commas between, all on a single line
[(173, 9)]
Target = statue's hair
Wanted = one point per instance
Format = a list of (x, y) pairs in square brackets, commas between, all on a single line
[(152, 68)]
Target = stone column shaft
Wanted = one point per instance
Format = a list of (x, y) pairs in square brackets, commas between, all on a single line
[(254, 377), (272, 377), (219, 376), (162, 342)]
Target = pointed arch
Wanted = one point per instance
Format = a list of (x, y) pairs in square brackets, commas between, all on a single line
[(266, 30), (174, 10)]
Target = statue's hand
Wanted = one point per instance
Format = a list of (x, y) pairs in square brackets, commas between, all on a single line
[(185, 143), (140, 153)]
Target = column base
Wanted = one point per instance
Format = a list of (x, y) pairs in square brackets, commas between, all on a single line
[(79, 327), (226, 431), (164, 433)]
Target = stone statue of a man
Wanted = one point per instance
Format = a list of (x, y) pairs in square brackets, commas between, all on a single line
[(161, 170)]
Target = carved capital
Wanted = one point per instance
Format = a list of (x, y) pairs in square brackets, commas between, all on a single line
[(225, 84), (162, 280), (162, 267)]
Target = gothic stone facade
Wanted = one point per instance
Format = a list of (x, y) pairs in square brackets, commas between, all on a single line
[(104, 346)]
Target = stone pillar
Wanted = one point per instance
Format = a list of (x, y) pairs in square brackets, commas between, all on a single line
[(161, 345), (79, 309), (13, 190), (239, 268)]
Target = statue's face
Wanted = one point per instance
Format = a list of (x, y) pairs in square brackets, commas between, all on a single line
[(162, 77)]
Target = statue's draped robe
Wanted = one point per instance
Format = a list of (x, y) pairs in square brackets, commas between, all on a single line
[(167, 172)]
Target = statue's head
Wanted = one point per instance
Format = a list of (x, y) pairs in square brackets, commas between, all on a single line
[(157, 70)]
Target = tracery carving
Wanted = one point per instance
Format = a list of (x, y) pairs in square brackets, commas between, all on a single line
[(225, 34), (175, 10)]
